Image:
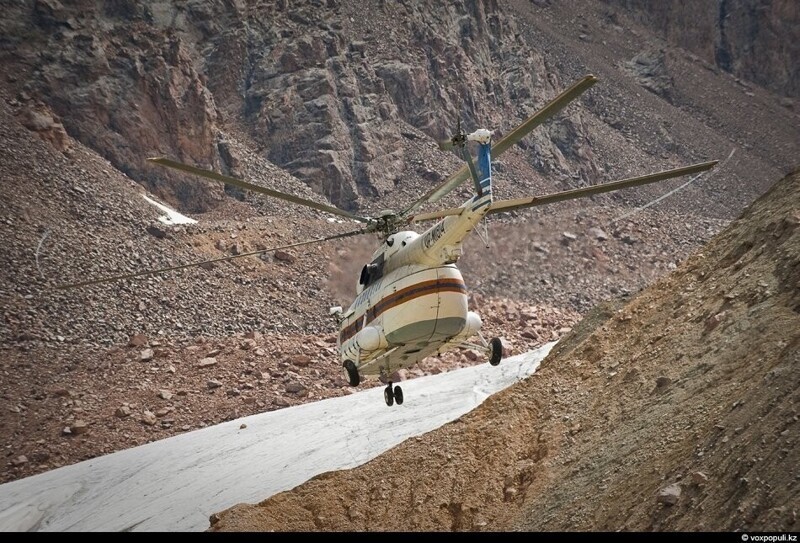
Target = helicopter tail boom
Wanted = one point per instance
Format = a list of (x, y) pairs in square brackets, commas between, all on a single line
[(441, 243)]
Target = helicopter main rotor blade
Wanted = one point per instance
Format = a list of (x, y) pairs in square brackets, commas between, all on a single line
[(554, 106), (192, 264), (551, 108), (500, 206), (435, 215), (208, 174)]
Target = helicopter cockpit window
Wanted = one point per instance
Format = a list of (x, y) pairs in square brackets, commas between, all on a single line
[(371, 272)]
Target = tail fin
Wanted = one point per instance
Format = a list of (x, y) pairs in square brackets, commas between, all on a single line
[(484, 173)]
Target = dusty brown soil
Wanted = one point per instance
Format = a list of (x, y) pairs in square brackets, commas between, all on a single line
[(676, 411)]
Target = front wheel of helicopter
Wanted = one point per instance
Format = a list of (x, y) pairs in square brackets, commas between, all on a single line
[(398, 395), (388, 395)]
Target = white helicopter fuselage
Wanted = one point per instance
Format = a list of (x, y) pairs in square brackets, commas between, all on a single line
[(412, 300)]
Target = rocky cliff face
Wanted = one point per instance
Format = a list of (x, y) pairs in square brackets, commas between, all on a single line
[(329, 91), (333, 92), (755, 39), (122, 85)]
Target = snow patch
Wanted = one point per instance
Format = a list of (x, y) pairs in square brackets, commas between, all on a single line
[(172, 217)]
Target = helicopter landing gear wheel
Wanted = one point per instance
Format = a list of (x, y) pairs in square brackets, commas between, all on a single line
[(497, 351), (398, 395), (351, 373), (388, 395), (392, 395)]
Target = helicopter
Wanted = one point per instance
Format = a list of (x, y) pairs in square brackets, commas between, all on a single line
[(411, 300)]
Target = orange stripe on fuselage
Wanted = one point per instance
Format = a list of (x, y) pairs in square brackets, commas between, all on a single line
[(407, 294)]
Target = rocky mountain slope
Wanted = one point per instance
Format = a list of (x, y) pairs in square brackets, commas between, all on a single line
[(340, 104), (89, 371), (309, 99), (617, 130), (676, 411), (758, 41)]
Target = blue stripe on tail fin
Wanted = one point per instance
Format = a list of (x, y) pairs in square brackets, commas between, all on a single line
[(485, 166)]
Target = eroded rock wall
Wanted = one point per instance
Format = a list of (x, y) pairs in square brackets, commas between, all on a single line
[(758, 40)]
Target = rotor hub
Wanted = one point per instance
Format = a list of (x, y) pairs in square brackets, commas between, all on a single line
[(385, 224)]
